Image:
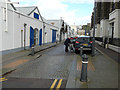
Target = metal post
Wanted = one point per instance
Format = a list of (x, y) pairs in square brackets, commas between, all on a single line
[(33, 52), (84, 68), (93, 44), (81, 51), (43, 32), (25, 35)]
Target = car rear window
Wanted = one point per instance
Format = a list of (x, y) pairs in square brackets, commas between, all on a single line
[(72, 40), (83, 39)]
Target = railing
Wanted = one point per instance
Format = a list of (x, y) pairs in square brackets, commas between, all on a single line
[(99, 39), (113, 41)]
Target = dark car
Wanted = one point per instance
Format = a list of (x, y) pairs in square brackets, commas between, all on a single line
[(83, 41)]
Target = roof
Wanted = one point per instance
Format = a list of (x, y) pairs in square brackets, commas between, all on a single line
[(26, 10), (11, 5)]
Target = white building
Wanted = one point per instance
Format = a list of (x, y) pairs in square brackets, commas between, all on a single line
[(104, 28), (21, 27), (63, 27), (74, 28), (114, 24)]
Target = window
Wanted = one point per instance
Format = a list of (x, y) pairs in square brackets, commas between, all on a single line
[(36, 15)]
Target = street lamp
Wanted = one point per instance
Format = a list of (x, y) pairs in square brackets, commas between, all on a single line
[(93, 45)]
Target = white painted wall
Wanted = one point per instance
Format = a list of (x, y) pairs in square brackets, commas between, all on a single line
[(15, 25), (118, 23), (48, 36), (11, 39), (74, 27), (115, 17), (1, 25), (91, 32), (98, 30), (104, 26), (57, 23)]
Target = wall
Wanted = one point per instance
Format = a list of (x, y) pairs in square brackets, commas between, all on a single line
[(57, 23), (119, 23), (104, 26), (15, 25), (114, 17), (1, 26), (98, 30)]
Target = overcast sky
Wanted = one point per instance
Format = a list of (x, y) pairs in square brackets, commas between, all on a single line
[(72, 11)]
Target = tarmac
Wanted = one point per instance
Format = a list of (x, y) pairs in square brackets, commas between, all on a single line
[(12, 61)]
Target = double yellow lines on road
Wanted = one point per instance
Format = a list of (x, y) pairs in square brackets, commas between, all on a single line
[(56, 83), (3, 79)]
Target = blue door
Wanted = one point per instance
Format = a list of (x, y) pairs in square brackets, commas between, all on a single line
[(31, 36), (40, 37), (53, 36)]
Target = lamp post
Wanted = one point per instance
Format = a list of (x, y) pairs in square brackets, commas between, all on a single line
[(93, 45)]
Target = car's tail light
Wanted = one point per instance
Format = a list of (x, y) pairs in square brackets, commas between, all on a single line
[(91, 42), (76, 37), (77, 42)]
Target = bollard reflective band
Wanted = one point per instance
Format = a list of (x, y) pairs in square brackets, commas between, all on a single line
[(84, 62)]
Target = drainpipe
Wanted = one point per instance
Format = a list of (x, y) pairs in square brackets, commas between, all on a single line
[(25, 35), (43, 32)]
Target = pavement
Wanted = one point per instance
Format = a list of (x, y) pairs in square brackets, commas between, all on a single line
[(11, 61), (110, 53), (102, 71)]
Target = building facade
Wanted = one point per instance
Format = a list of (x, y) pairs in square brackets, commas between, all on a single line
[(107, 20), (22, 27)]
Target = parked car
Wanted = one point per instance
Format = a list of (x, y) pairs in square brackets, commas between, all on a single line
[(85, 42)]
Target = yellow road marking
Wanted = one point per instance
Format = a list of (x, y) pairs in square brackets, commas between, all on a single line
[(3, 79), (59, 84), (53, 84)]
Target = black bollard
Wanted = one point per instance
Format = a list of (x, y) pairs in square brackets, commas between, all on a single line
[(84, 68), (81, 51), (32, 50)]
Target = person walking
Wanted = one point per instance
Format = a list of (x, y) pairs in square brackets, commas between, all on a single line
[(66, 43)]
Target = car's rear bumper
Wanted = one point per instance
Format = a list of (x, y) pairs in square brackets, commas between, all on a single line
[(83, 48)]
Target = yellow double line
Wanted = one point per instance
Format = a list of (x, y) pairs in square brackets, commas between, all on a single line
[(54, 83), (3, 79)]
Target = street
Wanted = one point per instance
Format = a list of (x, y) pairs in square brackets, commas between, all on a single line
[(59, 44), (57, 69), (53, 64)]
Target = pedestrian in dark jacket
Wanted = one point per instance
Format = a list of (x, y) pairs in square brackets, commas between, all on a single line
[(66, 43)]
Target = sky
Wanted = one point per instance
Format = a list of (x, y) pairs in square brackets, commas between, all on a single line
[(76, 12)]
